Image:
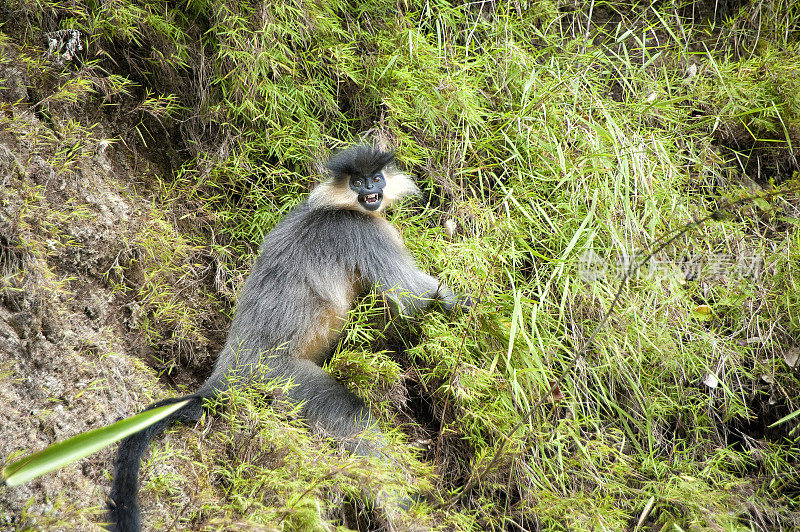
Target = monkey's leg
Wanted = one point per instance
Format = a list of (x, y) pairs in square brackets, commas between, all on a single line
[(331, 409), (334, 411)]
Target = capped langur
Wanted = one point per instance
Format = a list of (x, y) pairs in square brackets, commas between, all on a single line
[(293, 306)]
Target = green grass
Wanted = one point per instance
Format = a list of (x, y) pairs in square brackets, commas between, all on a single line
[(543, 144)]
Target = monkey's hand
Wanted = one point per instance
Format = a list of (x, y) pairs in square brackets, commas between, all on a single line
[(452, 303), (406, 305)]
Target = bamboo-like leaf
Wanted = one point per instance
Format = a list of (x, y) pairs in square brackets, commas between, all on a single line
[(82, 445), (785, 418)]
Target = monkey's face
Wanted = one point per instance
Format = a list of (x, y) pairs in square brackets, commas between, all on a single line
[(369, 190)]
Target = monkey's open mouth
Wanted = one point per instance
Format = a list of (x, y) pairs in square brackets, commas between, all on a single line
[(371, 202)]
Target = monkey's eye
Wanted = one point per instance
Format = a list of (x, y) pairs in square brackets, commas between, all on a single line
[(376, 179), (357, 183)]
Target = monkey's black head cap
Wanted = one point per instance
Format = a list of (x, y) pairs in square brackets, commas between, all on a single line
[(361, 159)]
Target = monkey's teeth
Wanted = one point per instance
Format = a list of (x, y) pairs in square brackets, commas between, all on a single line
[(372, 198)]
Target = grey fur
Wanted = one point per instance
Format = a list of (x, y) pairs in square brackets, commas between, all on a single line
[(298, 275), (292, 308)]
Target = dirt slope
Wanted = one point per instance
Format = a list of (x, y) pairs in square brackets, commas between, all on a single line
[(69, 346)]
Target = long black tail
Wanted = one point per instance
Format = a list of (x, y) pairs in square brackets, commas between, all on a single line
[(123, 505)]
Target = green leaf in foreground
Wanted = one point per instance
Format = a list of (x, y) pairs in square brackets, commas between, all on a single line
[(786, 418), (68, 451)]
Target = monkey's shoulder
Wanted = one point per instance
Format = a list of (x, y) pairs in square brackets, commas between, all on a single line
[(329, 234)]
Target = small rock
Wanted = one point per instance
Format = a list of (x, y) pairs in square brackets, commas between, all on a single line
[(711, 380)]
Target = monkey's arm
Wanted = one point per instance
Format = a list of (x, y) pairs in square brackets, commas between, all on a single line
[(430, 293), (408, 289)]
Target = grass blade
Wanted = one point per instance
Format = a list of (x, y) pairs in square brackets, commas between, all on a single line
[(82, 445)]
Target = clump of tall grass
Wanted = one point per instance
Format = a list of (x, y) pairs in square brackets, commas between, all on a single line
[(563, 143)]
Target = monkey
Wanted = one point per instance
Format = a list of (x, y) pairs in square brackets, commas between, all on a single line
[(292, 308)]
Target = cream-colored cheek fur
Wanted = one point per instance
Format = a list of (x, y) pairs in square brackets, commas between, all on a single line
[(398, 185), (326, 194)]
